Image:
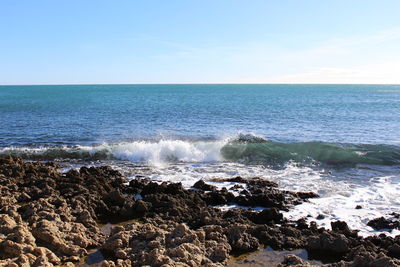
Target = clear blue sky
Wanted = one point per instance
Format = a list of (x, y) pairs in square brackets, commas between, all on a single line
[(208, 41)]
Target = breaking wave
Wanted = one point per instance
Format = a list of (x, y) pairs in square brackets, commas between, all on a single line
[(244, 148)]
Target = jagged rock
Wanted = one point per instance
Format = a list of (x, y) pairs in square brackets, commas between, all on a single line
[(292, 260), (200, 184), (168, 243), (335, 244), (50, 218), (268, 216), (383, 223), (240, 240)]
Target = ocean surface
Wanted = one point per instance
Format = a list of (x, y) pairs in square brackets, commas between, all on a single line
[(340, 141)]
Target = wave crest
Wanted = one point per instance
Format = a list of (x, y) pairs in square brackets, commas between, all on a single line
[(138, 151), (276, 153), (245, 148)]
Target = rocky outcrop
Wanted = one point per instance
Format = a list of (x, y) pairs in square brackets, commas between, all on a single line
[(294, 261), (18, 245), (50, 218), (165, 244), (385, 223)]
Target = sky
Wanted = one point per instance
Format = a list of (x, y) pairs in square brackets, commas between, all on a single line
[(207, 41)]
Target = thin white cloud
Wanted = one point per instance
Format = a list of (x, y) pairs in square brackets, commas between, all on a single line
[(362, 58), (379, 73)]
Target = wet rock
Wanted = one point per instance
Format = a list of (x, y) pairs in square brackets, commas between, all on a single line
[(114, 198), (200, 184), (292, 260), (237, 187), (256, 181), (141, 207), (343, 228), (240, 239), (268, 216), (328, 243), (302, 224), (306, 195), (383, 223), (394, 250)]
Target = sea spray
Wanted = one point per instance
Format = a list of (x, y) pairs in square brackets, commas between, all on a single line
[(168, 151), (247, 149)]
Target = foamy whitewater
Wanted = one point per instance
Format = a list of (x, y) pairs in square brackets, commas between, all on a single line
[(340, 141), (377, 190)]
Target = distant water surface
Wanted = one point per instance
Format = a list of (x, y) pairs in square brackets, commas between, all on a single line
[(89, 114)]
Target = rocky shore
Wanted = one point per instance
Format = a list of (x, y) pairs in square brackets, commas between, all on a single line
[(97, 217)]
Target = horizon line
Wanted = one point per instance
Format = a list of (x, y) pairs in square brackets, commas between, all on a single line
[(60, 84)]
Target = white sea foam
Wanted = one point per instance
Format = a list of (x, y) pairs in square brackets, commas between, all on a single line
[(154, 152), (163, 151), (151, 152), (378, 195)]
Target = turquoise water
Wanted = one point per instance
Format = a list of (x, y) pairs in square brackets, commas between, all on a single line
[(309, 115), (88, 114), (340, 141)]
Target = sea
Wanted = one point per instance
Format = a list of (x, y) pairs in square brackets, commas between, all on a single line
[(340, 141)]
